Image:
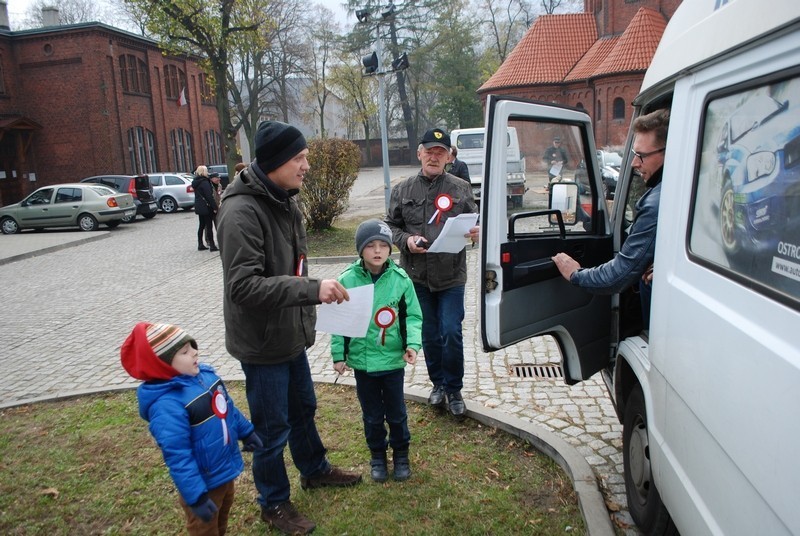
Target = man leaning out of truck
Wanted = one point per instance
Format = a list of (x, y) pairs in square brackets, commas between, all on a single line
[(634, 261)]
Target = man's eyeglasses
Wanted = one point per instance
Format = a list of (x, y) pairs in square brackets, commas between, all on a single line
[(642, 156)]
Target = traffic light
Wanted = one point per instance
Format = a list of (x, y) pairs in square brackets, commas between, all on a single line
[(370, 62), (400, 63)]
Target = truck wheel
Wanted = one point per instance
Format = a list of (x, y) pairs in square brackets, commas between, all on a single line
[(644, 502)]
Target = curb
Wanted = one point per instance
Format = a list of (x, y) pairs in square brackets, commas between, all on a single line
[(49, 249), (590, 499)]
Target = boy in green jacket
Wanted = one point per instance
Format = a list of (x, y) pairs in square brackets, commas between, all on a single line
[(379, 359)]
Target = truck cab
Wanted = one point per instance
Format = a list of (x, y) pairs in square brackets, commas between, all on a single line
[(470, 141), (708, 396)]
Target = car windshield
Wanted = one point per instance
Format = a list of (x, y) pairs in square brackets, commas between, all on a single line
[(609, 159)]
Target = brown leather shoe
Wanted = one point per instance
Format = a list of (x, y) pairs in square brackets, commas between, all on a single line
[(335, 477), (287, 519)]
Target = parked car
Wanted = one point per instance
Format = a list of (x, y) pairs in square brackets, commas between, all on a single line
[(222, 170), (609, 163), (173, 190), (136, 185), (68, 205)]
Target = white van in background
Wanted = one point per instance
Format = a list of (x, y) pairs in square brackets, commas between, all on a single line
[(709, 396), (469, 142)]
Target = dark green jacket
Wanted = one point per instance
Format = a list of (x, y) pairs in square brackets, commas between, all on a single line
[(269, 310), (410, 208)]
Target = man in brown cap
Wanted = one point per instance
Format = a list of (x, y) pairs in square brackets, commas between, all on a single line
[(418, 209)]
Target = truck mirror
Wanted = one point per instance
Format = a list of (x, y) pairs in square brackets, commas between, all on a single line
[(564, 197)]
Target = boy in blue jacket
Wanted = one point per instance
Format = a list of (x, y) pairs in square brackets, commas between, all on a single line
[(193, 420), (393, 339)]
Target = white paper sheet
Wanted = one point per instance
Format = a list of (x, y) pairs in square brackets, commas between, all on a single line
[(452, 238), (349, 318)]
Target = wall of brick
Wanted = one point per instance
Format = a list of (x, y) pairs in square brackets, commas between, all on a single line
[(68, 81)]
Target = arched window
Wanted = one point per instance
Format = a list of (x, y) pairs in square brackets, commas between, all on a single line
[(133, 74), (599, 111), (182, 151), (214, 147), (619, 108), (142, 150), (580, 106), (174, 82)]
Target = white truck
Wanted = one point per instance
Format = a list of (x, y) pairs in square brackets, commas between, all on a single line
[(470, 145), (708, 397)]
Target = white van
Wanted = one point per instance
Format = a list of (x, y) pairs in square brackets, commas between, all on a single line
[(469, 142), (709, 397)]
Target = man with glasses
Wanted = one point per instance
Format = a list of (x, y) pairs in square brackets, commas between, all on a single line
[(635, 259)]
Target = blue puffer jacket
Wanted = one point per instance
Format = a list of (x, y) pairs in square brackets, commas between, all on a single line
[(637, 252), (190, 434)]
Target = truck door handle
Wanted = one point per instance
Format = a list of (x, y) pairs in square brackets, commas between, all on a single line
[(527, 268)]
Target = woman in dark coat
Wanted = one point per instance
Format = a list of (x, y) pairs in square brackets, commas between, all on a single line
[(205, 206)]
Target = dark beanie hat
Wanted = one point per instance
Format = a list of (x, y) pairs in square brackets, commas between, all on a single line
[(372, 230), (276, 144)]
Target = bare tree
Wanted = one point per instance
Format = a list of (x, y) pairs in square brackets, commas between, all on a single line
[(321, 52), (506, 22), (69, 12)]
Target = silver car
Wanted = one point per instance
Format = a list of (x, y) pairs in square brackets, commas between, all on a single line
[(83, 205), (173, 190)]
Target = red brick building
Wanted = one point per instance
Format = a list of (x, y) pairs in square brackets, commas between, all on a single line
[(593, 60), (88, 99)]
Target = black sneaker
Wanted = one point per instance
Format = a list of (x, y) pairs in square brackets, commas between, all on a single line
[(437, 396), (335, 477), (287, 519), (455, 403)]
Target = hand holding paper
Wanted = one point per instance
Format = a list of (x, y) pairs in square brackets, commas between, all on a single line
[(349, 318), (452, 238)]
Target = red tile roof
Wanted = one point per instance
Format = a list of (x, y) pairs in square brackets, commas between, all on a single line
[(637, 44), (560, 48), (588, 64), (547, 52)]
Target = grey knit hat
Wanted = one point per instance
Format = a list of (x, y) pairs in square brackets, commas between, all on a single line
[(372, 230), (277, 143)]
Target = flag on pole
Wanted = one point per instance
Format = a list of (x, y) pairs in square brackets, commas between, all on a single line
[(182, 98)]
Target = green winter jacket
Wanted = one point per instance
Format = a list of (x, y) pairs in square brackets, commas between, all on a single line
[(378, 351), (268, 308)]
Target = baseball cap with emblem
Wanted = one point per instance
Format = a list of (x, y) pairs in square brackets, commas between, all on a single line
[(436, 137)]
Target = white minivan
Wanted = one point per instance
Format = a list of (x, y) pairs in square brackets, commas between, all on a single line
[(709, 397)]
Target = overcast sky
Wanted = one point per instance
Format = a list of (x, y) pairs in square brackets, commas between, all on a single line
[(17, 9)]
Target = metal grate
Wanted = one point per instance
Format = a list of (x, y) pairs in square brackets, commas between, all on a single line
[(547, 372)]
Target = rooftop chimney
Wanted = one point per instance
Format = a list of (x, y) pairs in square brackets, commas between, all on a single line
[(50, 16), (4, 15)]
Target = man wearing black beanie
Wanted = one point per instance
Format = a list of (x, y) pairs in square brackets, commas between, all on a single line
[(270, 317)]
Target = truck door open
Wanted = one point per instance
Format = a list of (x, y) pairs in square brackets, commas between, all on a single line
[(563, 210)]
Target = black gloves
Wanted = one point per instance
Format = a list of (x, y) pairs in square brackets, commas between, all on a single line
[(252, 443)]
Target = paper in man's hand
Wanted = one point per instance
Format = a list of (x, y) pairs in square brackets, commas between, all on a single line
[(349, 318), (452, 240)]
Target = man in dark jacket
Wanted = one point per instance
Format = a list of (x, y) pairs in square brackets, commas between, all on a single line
[(457, 167), (418, 209), (634, 261), (269, 319)]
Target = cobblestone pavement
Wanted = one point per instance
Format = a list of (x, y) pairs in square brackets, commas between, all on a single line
[(66, 313)]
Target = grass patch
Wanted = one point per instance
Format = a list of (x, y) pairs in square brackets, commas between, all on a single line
[(89, 466), (338, 241)]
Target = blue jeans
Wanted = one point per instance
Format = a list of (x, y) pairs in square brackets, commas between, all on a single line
[(381, 398), (282, 407), (442, 340)]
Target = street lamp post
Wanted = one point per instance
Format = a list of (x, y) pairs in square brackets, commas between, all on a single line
[(374, 66)]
